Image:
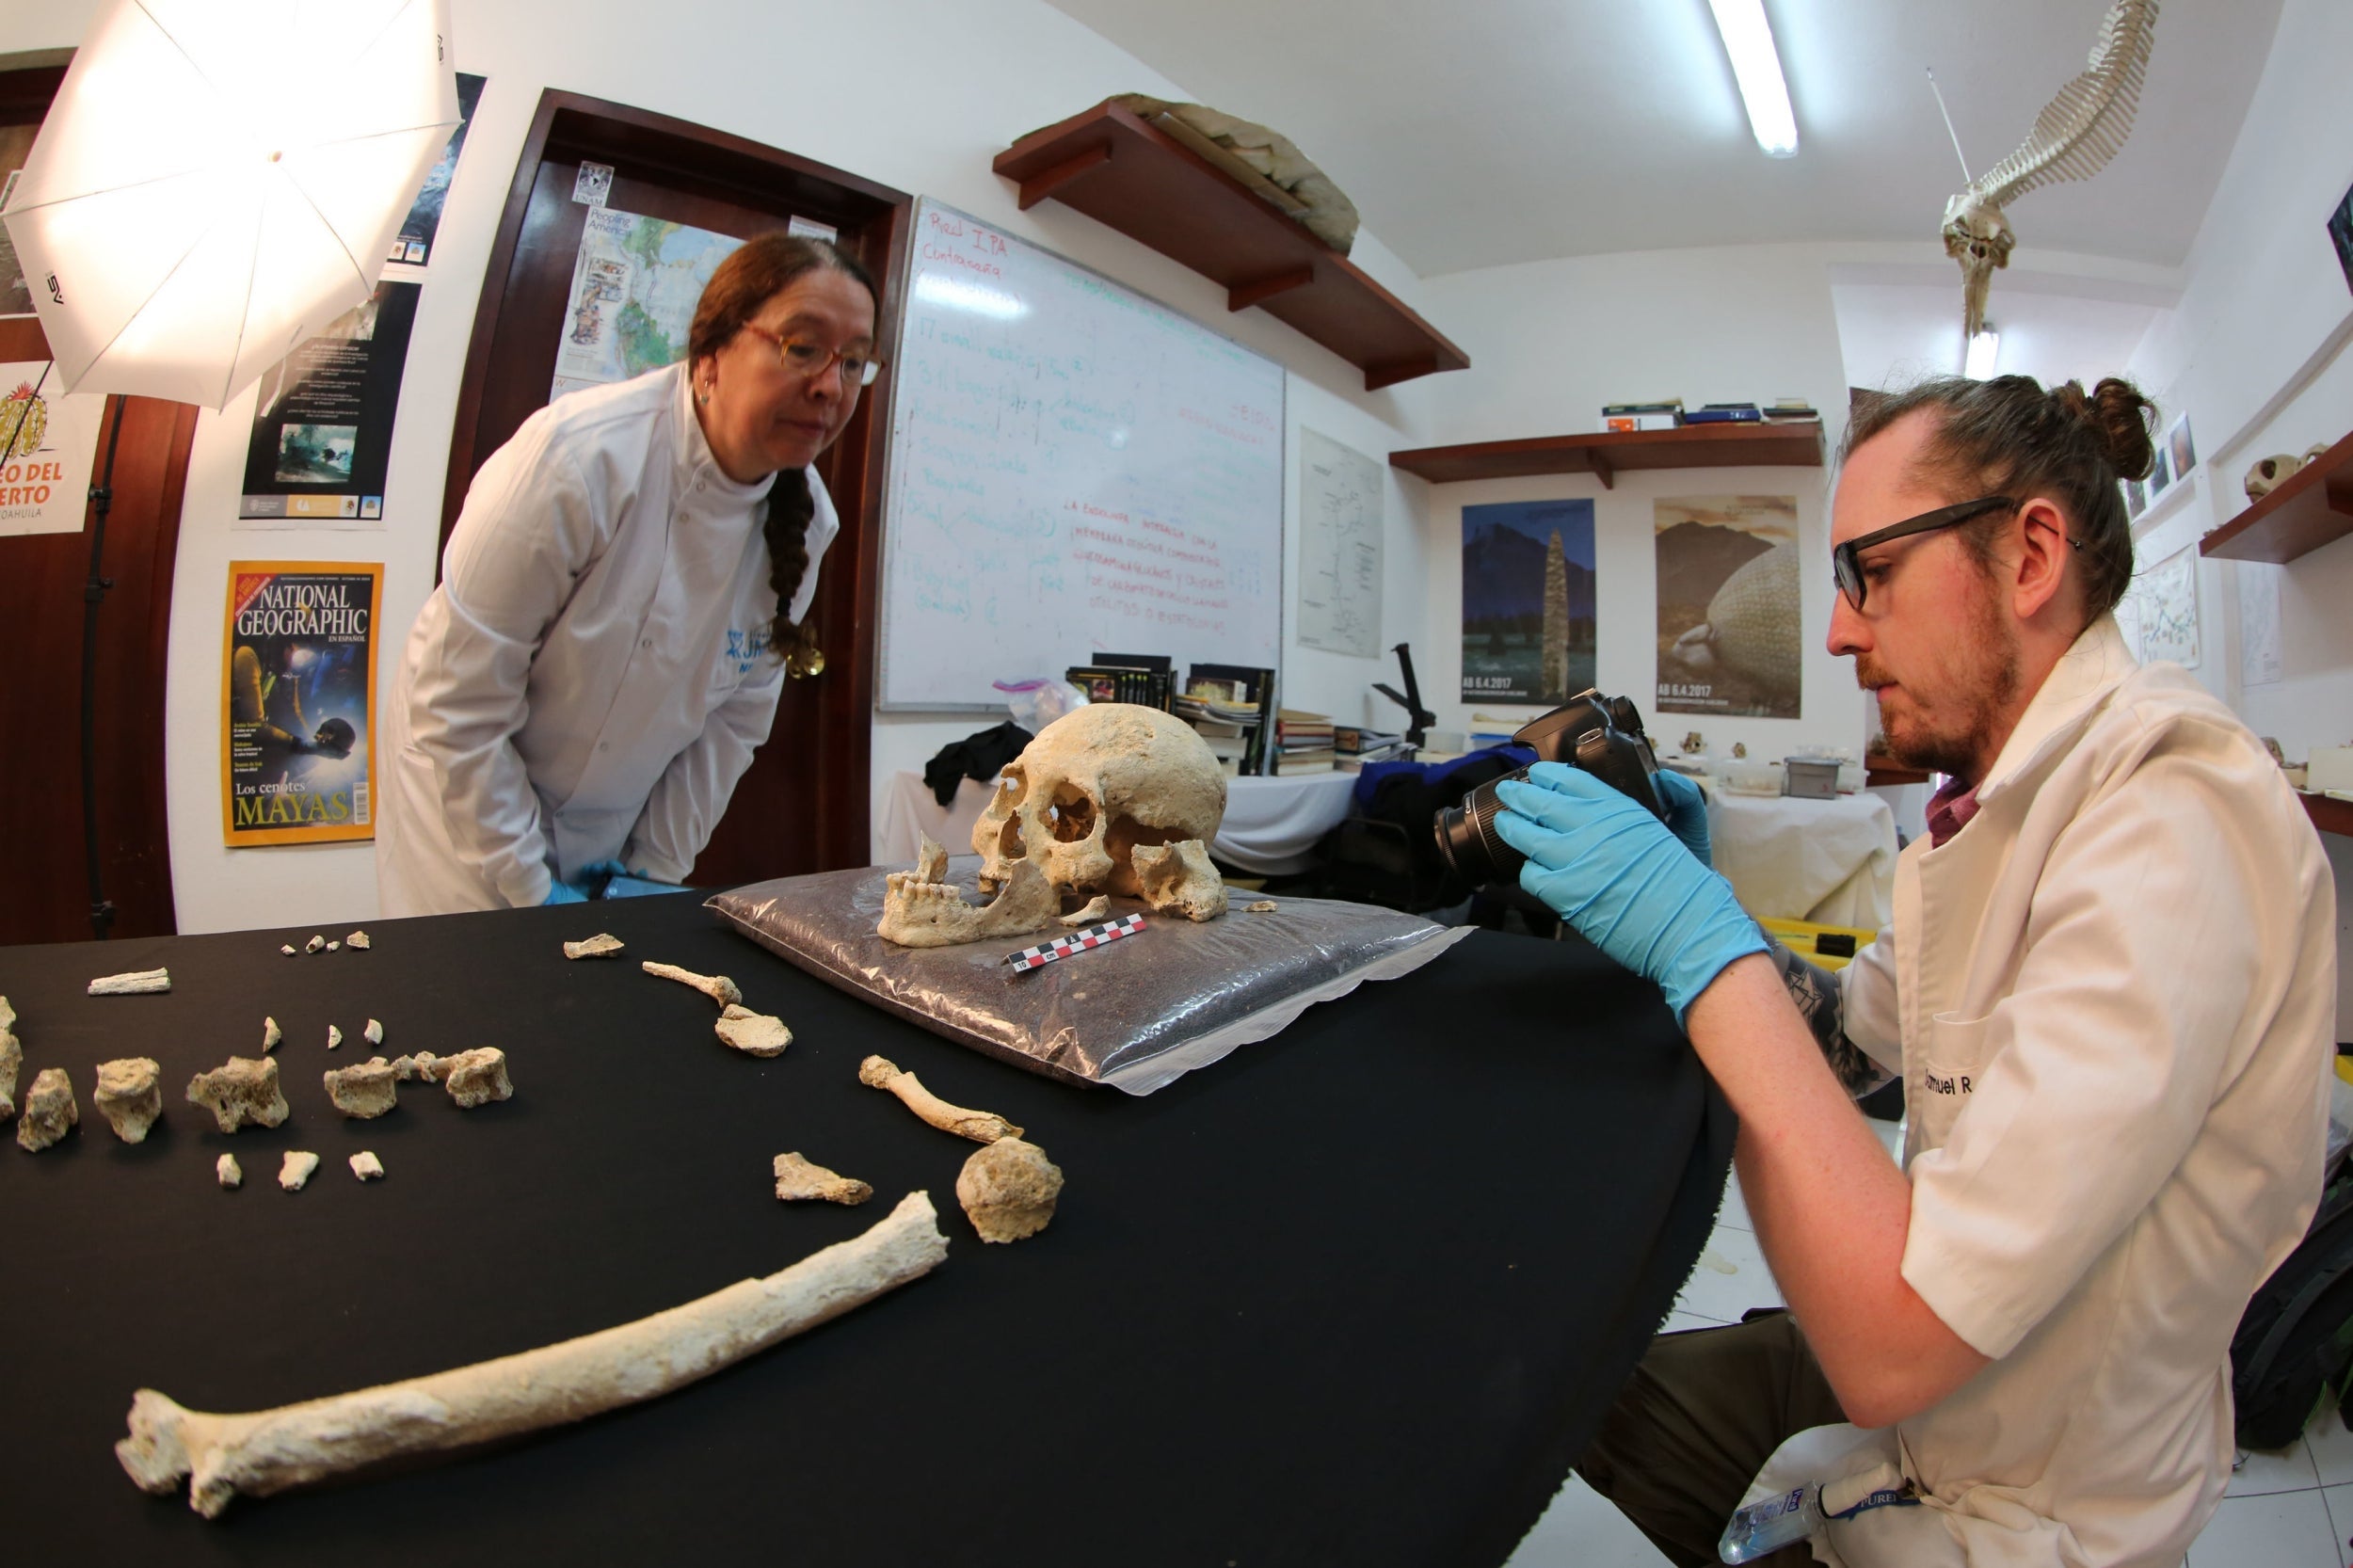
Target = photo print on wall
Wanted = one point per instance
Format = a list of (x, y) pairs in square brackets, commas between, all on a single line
[(1527, 601), (1730, 638)]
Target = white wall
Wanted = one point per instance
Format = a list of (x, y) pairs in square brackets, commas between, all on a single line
[(917, 94)]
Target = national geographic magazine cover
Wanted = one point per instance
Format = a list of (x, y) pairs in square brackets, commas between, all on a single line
[(298, 754), (1729, 636)]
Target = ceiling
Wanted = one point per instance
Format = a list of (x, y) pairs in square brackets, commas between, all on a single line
[(1489, 131)]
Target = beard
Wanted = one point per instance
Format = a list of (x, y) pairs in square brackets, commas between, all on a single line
[(1949, 722)]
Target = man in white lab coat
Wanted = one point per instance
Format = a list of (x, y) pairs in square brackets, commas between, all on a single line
[(2110, 988)]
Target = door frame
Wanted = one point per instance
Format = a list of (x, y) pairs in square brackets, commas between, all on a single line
[(697, 158)]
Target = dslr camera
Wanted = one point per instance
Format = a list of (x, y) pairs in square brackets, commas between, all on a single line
[(1601, 735)]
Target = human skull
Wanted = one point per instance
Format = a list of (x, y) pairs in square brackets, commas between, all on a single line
[(1979, 237), (1093, 786), (2269, 473)]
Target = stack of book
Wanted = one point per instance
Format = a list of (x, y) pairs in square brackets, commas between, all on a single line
[(1232, 706), (1143, 679), (1641, 416), (1723, 413), (1792, 411), (1353, 745), (1303, 742)]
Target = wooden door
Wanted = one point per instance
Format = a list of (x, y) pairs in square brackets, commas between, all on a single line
[(803, 805), (44, 862)]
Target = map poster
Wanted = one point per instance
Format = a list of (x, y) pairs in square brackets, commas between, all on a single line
[(635, 288), (47, 442), (2258, 622), (1339, 546), (1527, 601), (323, 419), (297, 753), (413, 244), (2166, 600), (1730, 640)]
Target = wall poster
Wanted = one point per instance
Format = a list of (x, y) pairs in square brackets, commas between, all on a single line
[(1527, 601), (413, 244), (1339, 546), (2166, 599), (297, 745), (323, 419), (1729, 637), (635, 285), (47, 445)]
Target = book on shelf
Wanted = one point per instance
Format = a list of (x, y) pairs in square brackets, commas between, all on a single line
[(1619, 425), (1792, 411), (1671, 406), (1306, 761), (1356, 739), (1724, 413), (1146, 688), (1239, 695)]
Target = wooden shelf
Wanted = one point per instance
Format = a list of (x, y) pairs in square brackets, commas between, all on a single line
[(1608, 453), (1134, 177), (2312, 507), (2330, 816)]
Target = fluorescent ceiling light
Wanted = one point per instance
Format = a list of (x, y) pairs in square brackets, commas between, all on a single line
[(954, 294), (1749, 39), (1979, 364)]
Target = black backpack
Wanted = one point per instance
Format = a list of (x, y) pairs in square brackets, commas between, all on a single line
[(2295, 1342)]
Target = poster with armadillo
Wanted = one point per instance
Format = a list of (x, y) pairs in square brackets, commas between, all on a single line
[(1729, 636)]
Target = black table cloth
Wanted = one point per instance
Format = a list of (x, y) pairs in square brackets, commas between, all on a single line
[(1357, 1295)]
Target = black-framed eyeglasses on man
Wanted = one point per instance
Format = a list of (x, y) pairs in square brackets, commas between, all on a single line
[(809, 360), (1844, 559)]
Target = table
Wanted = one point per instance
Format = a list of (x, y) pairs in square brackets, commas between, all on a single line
[(1272, 824), (1355, 1295), (1828, 861)]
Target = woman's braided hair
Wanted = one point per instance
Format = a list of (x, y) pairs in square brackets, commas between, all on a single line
[(754, 273), (2009, 436)]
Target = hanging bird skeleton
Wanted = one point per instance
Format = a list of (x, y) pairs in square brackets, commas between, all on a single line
[(2073, 139)]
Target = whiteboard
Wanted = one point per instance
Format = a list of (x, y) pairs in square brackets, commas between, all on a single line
[(1339, 546), (1074, 469)]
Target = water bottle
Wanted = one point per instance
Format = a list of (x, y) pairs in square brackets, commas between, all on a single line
[(1777, 1521)]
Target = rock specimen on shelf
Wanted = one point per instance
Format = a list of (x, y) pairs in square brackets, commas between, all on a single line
[(50, 1112), (798, 1181), (753, 1033), (981, 1126), (270, 1450), (296, 1169), (602, 945), (364, 1090), (11, 1060), (130, 1096), (244, 1089), (718, 987), (228, 1172), (366, 1166), (138, 983), (472, 1078), (270, 1036), (1253, 157), (1008, 1190)]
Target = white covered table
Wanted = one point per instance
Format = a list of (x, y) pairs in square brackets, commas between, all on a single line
[(1828, 861)]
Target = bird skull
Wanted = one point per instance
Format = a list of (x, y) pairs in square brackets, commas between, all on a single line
[(1979, 237)]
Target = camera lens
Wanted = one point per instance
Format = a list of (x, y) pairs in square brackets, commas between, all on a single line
[(1468, 842)]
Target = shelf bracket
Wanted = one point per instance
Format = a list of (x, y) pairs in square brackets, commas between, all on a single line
[(1603, 469), (1378, 376), (1046, 182), (1257, 289)]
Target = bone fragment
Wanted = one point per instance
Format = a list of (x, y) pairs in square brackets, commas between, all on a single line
[(357, 939), (471, 1076), (316, 943), (981, 1126), (1097, 907), (419, 1066), (366, 1166), (602, 945), (931, 861), (270, 1451), (286, 948), (138, 983), (244, 1089), (373, 1034), (11, 1060), (332, 946), (718, 987), (334, 1036), (130, 1096), (797, 1181), (270, 1036), (1264, 906), (296, 1169), (363, 1090), (50, 1112), (228, 1172), (1178, 876), (753, 1033), (1008, 1190), (920, 914)]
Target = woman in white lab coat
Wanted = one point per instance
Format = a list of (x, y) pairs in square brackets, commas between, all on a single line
[(585, 688)]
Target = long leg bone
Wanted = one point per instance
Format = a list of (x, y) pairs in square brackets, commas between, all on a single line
[(270, 1451), (136, 982), (718, 987), (981, 1126)]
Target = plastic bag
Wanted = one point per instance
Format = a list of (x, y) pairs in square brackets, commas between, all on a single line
[(1036, 704), (1135, 1014)]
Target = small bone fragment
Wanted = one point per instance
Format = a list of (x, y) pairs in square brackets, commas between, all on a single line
[(270, 1036), (1264, 906), (138, 983), (1097, 907), (270, 1451), (981, 1126), (296, 1169), (718, 987), (357, 939), (313, 945), (797, 1180), (332, 946), (363, 1090), (366, 1166), (920, 914), (50, 1112), (931, 861), (471, 1076), (11, 1060), (130, 1096), (334, 1036), (602, 945), (1179, 876), (286, 948), (228, 1172), (419, 1066), (373, 1034), (753, 1033), (1008, 1190), (244, 1089)]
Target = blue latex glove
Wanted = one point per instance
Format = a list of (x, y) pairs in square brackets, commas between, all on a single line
[(1623, 880), (1686, 812), (564, 892)]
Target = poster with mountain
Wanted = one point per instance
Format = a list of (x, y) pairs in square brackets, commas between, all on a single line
[(1527, 601), (1729, 635)]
